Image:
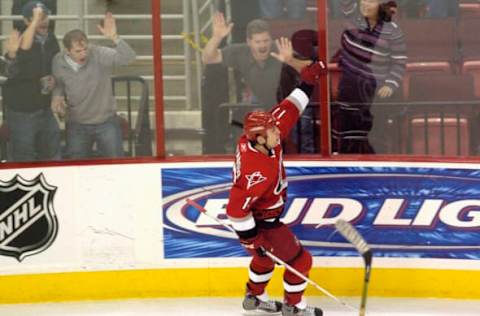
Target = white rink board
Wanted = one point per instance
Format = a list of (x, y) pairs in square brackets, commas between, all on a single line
[(110, 219)]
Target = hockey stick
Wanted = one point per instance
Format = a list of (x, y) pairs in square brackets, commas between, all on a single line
[(354, 237), (274, 258)]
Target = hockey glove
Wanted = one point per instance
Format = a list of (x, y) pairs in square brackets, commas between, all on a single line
[(257, 243), (311, 73)]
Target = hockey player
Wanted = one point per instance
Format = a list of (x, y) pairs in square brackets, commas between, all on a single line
[(257, 199)]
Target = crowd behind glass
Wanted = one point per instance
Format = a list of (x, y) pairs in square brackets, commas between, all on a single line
[(402, 78)]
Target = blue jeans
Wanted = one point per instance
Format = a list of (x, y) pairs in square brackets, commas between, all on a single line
[(273, 9), (34, 136), (304, 133), (107, 136)]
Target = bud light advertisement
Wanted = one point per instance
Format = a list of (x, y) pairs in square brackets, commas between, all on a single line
[(402, 212)]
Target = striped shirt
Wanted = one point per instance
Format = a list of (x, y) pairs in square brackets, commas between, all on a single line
[(378, 53)]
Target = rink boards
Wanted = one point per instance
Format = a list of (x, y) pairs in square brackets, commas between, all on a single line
[(111, 231)]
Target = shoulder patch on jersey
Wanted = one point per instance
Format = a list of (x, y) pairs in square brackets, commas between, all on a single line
[(243, 148), (254, 179)]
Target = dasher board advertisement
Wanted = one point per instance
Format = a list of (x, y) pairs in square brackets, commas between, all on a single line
[(401, 211)]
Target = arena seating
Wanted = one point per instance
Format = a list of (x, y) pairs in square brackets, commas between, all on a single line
[(442, 120), (469, 9)]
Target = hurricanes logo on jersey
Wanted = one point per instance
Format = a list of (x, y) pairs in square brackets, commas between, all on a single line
[(254, 179)]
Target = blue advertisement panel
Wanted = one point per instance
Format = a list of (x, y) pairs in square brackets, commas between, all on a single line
[(402, 212)]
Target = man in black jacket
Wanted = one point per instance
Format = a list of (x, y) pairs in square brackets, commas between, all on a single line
[(34, 131), (18, 5)]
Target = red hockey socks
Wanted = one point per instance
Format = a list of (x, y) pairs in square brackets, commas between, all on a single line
[(295, 286)]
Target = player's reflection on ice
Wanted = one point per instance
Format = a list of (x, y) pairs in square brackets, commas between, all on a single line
[(232, 307)]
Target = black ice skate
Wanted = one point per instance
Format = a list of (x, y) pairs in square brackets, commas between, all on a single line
[(252, 304), (289, 310)]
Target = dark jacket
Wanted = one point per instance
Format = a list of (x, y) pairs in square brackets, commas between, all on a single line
[(21, 91), (17, 10)]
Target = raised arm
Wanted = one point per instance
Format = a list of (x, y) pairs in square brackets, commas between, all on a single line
[(13, 44), (109, 27), (29, 34), (9, 64), (290, 109), (220, 29), (285, 54), (122, 54)]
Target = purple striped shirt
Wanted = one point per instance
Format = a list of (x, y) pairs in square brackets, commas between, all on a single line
[(378, 53)]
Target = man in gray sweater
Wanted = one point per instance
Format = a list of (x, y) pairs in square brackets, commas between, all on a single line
[(84, 91)]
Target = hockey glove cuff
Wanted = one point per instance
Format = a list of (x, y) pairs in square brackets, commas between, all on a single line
[(257, 243)]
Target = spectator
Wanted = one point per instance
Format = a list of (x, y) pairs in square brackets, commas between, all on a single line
[(259, 66), (17, 10), (372, 60), (83, 73), (275, 9), (257, 61), (305, 45), (34, 132)]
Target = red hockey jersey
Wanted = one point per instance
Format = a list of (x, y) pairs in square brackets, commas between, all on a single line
[(259, 181)]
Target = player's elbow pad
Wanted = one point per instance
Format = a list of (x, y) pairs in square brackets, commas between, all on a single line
[(244, 227), (247, 234)]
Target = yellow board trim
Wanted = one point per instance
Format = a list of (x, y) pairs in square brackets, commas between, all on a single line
[(99, 285)]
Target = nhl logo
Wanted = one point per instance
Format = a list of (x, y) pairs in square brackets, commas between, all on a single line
[(28, 224)]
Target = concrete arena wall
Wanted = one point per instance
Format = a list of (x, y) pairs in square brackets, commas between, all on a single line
[(111, 243)]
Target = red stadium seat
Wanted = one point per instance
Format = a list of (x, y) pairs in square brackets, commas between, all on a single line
[(470, 48), (427, 135), (469, 10), (468, 38), (440, 128), (431, 47), (473, 68), (430, 68), (430, 40), (441, 87)]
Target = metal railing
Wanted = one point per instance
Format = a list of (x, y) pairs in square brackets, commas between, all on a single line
[(83, 18), (135, 121), (138, 133), (439, 128), (194, 10)]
